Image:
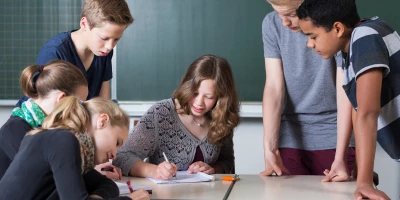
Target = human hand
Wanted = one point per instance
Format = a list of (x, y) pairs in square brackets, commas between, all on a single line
[(165, 170), (109, 170), (140, 194), (200, 166), (366, 190), (274, 164), (337, 173)]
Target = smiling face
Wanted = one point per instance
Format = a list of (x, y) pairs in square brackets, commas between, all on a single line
[(325, 43), (204, 99), (288, 16), (107, 139), (101, 40)]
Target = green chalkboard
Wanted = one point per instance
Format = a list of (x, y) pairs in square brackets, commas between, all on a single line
[(25, 25), (156, 50), (168, 35)]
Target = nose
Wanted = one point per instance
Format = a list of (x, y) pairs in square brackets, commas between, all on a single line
[(199, 101), (110, 45), (310, 43), (113, 154), (286, 22)]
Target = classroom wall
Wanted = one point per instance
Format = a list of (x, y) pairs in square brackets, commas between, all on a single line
[(249, 154)]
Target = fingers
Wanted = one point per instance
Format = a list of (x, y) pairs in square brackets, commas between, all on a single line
[(166, 170), (200, 167), (357, 195), (119, 171), (139, 194)]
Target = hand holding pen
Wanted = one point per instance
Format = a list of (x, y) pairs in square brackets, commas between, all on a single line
[(165, 170)]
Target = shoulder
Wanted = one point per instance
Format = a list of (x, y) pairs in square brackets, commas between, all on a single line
[(58, 40), (59, 138), (163, 106), (374, 27), (272, 19), (16, 125)]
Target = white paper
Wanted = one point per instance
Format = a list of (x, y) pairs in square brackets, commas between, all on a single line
[(124, 189), (184, 177)]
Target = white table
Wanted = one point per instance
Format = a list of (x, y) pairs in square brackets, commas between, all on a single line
[(253, 187)]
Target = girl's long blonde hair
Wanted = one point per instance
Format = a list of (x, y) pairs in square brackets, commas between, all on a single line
[(72, 114)]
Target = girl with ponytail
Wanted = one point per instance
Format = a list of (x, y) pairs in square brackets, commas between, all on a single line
[(62, 153)]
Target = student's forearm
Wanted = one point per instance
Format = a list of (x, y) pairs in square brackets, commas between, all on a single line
[(143, 169), (344, 123), (272, 109), (365, 134)]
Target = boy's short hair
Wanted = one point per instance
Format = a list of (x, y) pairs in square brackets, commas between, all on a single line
[(324, 13), (285, 2), (99, 11)]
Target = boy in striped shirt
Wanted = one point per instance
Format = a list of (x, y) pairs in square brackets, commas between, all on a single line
[(371, 54)]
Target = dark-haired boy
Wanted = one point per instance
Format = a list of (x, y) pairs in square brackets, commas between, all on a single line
[(370, 49)]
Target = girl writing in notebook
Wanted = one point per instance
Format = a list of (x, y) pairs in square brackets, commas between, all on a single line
[(194, 128), (60, 155), (45, 85)]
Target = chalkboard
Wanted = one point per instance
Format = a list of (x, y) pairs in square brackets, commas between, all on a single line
[(168, 35), (24, 28)]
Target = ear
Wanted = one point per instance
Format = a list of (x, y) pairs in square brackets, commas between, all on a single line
[(84, 24), (60, 96), (339, 29), (102, 121)]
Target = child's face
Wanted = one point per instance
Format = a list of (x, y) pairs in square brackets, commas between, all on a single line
[(107, 139), (326, 44), (288, 16), (101, 40), (204, 99)]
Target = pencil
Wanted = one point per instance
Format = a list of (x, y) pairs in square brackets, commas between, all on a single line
[(230, 188)]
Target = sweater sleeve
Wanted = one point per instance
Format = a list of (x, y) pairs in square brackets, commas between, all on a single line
[(11, 135), (142, 142), (226, 158), (63, 156)]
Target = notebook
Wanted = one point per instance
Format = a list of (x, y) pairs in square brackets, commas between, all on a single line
[(123, 188), (184, 177)]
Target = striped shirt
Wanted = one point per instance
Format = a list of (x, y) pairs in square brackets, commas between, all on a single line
[(374, 44)]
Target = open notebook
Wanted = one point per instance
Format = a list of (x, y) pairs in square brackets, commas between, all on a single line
[(123, 188), (184, 177)]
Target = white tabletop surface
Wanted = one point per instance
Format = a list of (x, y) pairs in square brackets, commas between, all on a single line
[(253, 187)]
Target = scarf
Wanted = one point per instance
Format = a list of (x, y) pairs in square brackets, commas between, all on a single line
[(87, 151), (30, 112)]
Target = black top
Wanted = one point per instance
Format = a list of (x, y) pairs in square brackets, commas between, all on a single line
[(49, 161), (11, 135)]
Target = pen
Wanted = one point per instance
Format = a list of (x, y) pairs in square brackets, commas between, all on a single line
[(166, 159), (128, 182), (109, 169), (230, 178), (230, 187)]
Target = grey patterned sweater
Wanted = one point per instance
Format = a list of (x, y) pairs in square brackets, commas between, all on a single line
[(161, 130)]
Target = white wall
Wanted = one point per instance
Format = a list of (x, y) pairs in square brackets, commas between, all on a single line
[(248, 144)]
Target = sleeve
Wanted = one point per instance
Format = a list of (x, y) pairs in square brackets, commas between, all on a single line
[(46, 55), (63, 156), (270, 39), (108, 73), (141, 143), (368, 51), (12, 133), (339, 59), (226, 158)]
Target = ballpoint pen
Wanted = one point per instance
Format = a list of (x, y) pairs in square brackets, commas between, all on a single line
[(166, 159)]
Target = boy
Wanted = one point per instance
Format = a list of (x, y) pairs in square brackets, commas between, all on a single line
[(91, 47), (370, 49), (299, 102)]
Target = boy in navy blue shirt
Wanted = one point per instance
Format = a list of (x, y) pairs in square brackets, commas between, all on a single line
[(91, 47), (371, 52)]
